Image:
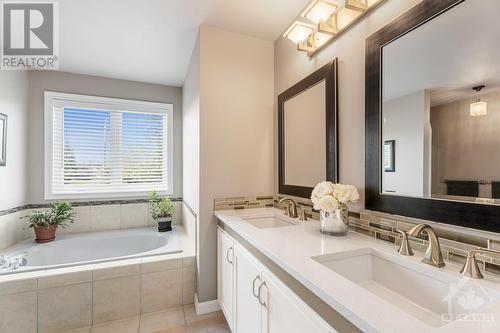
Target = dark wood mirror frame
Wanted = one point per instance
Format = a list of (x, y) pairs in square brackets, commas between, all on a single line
[(472, 215), (329, 74)]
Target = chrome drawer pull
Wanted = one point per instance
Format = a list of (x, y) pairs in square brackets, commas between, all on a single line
[(227, 255), (263, 284), (253, 286)]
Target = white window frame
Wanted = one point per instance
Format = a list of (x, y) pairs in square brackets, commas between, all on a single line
[(51, 97)]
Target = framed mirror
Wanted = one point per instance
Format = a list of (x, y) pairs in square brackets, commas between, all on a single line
[(307, 132), (433, 87), (3, 139)]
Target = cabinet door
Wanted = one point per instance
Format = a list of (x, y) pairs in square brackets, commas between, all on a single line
[(248, 279), (284, 312), (225, 275)]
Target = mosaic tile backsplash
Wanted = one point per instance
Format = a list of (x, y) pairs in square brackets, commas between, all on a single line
[(455, 242), (235, 203)]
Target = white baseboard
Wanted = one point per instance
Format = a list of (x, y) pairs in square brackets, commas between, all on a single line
[(205, 307)]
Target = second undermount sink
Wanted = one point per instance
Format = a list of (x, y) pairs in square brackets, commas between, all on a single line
[(270, 221), (435, 299)]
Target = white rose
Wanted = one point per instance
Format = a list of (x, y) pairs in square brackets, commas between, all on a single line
[(354, 194), (315, 202), (322, 189), (328, 203), (345, 193)]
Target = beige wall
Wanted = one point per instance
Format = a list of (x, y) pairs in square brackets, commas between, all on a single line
[(465, 147), (14, 104), (191, 132), (236, 132), (291, 66), (191, 147), (39, 81)]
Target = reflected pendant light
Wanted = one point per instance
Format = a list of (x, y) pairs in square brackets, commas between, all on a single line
[(478, 108)]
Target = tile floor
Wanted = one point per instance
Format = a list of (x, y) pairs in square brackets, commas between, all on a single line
[(180, 320)]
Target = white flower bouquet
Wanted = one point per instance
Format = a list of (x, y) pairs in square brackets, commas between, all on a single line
[(330, 197), (331, 200)]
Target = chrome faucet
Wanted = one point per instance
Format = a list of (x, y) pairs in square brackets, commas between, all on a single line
[(433, 255), (291, 209), (471, 269)]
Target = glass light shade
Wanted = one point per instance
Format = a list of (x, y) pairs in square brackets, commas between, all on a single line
[(319, 10), (478, 108), (298, 31)]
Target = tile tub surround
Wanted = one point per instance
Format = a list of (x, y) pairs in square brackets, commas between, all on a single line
[(77, 298), (90, 216), (359, 306), (178, 320), (455, 241)]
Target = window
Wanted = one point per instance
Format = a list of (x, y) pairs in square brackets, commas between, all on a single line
[(106, 147)]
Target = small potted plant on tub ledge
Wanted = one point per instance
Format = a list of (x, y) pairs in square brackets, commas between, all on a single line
[(45, 223), (161, 211)]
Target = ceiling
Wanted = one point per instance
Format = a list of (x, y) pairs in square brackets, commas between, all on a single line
[(448, 55), (152, 40)]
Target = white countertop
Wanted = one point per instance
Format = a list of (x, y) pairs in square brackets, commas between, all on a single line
[(292, 247)]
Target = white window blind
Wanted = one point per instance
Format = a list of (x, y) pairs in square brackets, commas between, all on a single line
[(106, 147)]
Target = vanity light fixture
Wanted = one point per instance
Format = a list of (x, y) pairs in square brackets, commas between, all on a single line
[(478, 108), (358, 5), (320, 10), (329, 19), (298, 32)]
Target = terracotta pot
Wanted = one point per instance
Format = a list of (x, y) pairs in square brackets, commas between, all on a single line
[(45, 234)]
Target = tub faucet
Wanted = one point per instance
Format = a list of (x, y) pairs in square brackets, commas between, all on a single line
[(291, 209), (3, 260), (16, 261), (433, 255)]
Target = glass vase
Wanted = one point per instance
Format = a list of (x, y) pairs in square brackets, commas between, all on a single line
[(335, 223)]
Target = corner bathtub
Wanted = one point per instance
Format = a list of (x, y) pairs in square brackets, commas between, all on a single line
[(93, 247)]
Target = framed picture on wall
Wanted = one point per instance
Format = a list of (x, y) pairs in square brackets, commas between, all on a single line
[(390, 156), (3, 139)]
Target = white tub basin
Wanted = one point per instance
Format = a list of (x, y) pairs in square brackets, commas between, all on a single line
[(434, 298), (93, 247)]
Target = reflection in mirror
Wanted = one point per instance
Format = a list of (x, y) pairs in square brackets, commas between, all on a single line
[(305, 137), (444, 123)]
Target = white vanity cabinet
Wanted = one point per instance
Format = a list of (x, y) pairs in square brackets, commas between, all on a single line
[(247, 306), (262, 303)]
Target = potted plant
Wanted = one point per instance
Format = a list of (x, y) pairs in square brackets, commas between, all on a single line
[(161, 210), (45, 223), (331, 200)]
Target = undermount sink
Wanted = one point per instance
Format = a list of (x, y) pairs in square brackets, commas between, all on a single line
[(435, 299), (270, 221)]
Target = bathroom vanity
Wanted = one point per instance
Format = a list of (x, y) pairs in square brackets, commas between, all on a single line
[(276, 274)]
